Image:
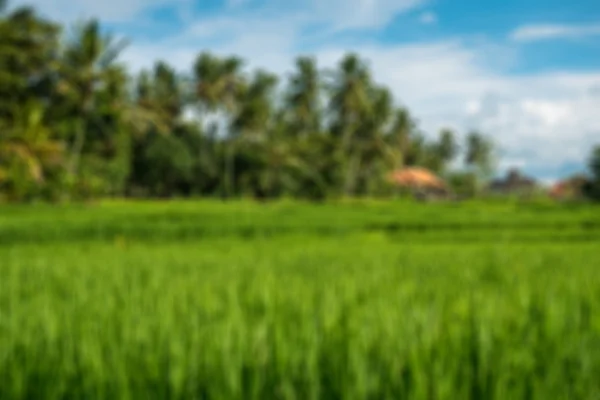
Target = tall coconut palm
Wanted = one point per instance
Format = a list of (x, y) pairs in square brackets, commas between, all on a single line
[(348, 105), (217, 82), (146, 112), (28, 48), (255, 110), (159, 100), (369, 148), (479, 156), (349, 97), (438, 154), (167, 92), (447, 146), (592, 187), (254, 115), (88, 61), (594, 163), (398, 138), (478, 151), (218, 86), (302, 99), (280, 162), (416, 153)]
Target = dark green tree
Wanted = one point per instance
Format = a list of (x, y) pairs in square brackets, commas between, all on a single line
[(302, 101), (398, 139), (447, 146), (348, 105), (218, 87), (592, 188), (479, 153), (479, 157)]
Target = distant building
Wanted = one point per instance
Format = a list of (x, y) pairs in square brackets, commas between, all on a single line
[(569, 189), (514, 183)]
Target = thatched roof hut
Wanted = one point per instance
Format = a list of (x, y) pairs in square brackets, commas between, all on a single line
[(417, 177), (421, 181)]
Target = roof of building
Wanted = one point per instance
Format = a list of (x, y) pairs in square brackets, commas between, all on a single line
[(417, 177)]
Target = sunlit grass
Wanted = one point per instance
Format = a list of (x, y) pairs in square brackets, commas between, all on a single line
[(331, 301)]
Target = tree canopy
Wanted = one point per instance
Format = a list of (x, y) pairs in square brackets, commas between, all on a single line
[(75, 123)]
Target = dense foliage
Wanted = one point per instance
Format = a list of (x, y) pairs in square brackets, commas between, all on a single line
[(75, 124), (366, 301), (592, 186)]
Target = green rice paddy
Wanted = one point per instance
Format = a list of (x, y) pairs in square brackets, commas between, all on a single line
[(355, 300)]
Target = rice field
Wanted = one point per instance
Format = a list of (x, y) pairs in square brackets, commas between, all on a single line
[(352, 300)]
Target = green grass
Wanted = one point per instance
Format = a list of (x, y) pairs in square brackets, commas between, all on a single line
[(357, 300)]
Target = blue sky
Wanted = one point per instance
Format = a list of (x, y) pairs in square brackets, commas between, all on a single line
[(526, 72)]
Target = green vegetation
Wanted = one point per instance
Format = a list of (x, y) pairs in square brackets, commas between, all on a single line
[(76, 124), (336, 299), (286, 300), (592, 187)]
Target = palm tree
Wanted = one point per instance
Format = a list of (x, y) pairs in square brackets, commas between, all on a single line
[(159, 101), (478, 156), (447, 146), (159, 132), (255, 110), (218, 86), (27, 151), (417, 150), (88, 61), (27, 59), (146, 113), (349, 97), (438, 154), (167, 93), (217, 82), (399, 137), (302, 99), (251, 122), (281, 164), (479, 151), (594, 162), (592, 187), (27, 56), (370, 147), (348, 105)]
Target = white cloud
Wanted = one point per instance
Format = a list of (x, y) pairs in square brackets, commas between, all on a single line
[(428, 18), (531, 33), (105, 10), (337, 14), (547, 113), (547, 131), (346, 14)]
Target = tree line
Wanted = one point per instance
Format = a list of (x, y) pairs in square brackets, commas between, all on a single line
[(75, 124)]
